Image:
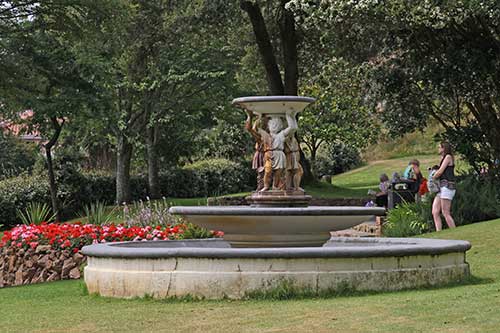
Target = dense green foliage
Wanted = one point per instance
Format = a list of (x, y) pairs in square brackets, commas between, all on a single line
[(16, 193), (337, 158), (339, 114), (477, 199), (423, 60), (218, 176), (202, 179), (15, 156), (408, 219)]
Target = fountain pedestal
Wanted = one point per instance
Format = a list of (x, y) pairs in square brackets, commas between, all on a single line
[(273, 198)]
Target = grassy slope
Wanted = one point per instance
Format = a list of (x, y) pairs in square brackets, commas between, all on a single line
[(473, 307), (410, 144)]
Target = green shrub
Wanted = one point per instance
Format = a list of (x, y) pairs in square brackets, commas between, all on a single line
[(15, 156), (16, 193), (477, 199), (77, 190), (339, 158), (408, 219), (218, 176)]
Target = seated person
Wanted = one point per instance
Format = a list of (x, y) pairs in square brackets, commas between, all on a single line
[(381, 197), (413, 173)]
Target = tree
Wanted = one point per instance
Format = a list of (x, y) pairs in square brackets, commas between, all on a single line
[(15, 156), (339, 113), (156, 71), (427, 60), (41, 71)]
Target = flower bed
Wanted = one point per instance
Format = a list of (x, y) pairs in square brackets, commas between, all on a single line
[(51, 251)]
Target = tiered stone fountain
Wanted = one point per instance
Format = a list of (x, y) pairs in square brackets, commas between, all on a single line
[(277, 239)]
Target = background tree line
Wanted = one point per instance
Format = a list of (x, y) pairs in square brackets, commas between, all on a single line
[(151, 81)]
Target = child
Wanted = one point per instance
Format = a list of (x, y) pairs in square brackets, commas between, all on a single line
[(381, 197), (432, 184)]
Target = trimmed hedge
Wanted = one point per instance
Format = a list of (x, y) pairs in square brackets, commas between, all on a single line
[(202, 179)]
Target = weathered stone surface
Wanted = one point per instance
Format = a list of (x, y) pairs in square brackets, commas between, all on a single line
[(78, 258), (273, 227), (29, 263), (29, 274), (53, 277), (19, 277), (195, 268), (40, 276), (74, 273), (57, 266), (12, 263), (43, 261), (53, 255), (42, 248), (68, 265), (19, 266), (48, 264)]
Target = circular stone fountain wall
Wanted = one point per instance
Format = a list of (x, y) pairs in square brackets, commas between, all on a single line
[(212, 269)]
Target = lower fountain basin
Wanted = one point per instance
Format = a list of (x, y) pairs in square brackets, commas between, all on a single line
[(246, 226), (212, 269)]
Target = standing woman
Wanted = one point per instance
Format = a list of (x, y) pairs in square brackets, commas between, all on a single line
[(447, 188)]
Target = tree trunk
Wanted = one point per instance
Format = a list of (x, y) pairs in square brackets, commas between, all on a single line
[(52, 185), (265, 47), (289, 43), (308, 176), (123, 158), (151, 146), (50, 167)]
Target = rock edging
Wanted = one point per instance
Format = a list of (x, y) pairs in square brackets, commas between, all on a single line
[(19, 266)]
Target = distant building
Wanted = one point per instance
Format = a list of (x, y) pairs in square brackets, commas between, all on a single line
[(19, 130)]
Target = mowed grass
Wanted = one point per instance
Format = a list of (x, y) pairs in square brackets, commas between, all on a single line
[(471, 307)]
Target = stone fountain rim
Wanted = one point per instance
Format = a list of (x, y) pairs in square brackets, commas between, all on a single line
[(278, 211), (276, 98), (219, 249)]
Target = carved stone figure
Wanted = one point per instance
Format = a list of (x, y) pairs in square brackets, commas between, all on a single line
[(259, 155), (274, 145), (294, 170)]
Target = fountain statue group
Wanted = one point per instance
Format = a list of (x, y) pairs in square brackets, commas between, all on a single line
[(278, 238), (277, 155)]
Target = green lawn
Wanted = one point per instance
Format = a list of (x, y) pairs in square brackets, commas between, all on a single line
[(472, 307)]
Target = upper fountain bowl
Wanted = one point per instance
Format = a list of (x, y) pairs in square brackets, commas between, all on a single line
[(273, 104)]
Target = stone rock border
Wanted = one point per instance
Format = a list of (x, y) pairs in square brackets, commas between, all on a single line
[(211, 269), (43, 264)]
